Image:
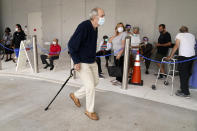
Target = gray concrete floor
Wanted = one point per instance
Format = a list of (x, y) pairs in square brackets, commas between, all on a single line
[(22, 103)]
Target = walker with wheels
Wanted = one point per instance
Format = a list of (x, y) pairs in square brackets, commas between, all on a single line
[(171, 73)]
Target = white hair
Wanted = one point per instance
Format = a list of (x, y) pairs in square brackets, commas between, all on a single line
[(93, 13)]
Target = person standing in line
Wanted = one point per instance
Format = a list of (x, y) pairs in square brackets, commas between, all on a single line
[(135, 44), (18, 36), (185, 42), (163, 45), (104, 49), (118, 44), (82, 48)]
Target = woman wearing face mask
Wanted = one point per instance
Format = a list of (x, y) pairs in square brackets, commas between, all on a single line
[(7, 40), (18, 36), (118, 42)]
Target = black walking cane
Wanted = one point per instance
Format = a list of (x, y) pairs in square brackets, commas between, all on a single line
[(71, 75)]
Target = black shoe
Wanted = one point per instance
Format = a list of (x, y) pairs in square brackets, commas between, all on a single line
[(6, 60), (46, 66), (10, 59), (181, 94), (161, 77), (147, 72), (101, 76), (14, 60), (52, 67)]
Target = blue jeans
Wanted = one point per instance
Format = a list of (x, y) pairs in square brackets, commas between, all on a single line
[(16, 50)]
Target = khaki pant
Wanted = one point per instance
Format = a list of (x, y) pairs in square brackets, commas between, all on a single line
[(89, 76)]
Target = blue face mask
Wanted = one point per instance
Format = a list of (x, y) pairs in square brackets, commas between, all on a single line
[(101, 20)]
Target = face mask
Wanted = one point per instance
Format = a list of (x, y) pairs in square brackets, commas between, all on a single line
[(16, 29), (106, 40), (120, 29), (101, 20), (146, 42), (54, 42), (134, 35)]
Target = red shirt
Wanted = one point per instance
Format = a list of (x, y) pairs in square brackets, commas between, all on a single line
[(55, 49)]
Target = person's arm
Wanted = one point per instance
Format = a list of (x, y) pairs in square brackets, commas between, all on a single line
[(75, 42), (122, 48), (164, 45), (174, 49)]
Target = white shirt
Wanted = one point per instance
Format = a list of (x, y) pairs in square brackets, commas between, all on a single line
[(135, 40), (187, 44)]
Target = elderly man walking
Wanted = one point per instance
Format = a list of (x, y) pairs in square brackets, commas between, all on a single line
[(82, 48)]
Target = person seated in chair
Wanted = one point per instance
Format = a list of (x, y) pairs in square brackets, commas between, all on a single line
[(54, 53), (146, 50)]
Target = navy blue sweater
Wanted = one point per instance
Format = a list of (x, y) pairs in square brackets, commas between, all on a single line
[(82, 45)]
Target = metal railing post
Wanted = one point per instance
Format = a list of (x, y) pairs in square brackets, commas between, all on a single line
[(126, 62), (35, 52)]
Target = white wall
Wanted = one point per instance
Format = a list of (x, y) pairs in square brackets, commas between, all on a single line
[(61, 17), (175, 13)]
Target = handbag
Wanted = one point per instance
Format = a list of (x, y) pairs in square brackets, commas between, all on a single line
[(115, 71)]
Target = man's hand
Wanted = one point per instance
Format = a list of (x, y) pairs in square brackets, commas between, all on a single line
[(77, 67)]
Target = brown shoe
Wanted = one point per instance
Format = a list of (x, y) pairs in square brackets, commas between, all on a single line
[(92, 116), (76, 101)]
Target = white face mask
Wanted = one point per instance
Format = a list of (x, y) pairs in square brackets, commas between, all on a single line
[(101, 21), (135, 35), (146, 42), (54, 42), (16, 29), (120, 29)]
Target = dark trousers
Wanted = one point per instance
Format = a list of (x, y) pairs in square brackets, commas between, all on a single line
[(119, 63), (98, 59), (147, 52), (147, 62), (51, 59), (185, 71)]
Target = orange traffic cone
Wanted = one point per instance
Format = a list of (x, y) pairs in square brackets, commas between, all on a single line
[(136, 78)]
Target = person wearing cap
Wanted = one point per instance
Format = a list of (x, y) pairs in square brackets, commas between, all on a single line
[(104, 49), (185, 42), (54, 53), (128, 29), (82, 47), (146, 50)]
